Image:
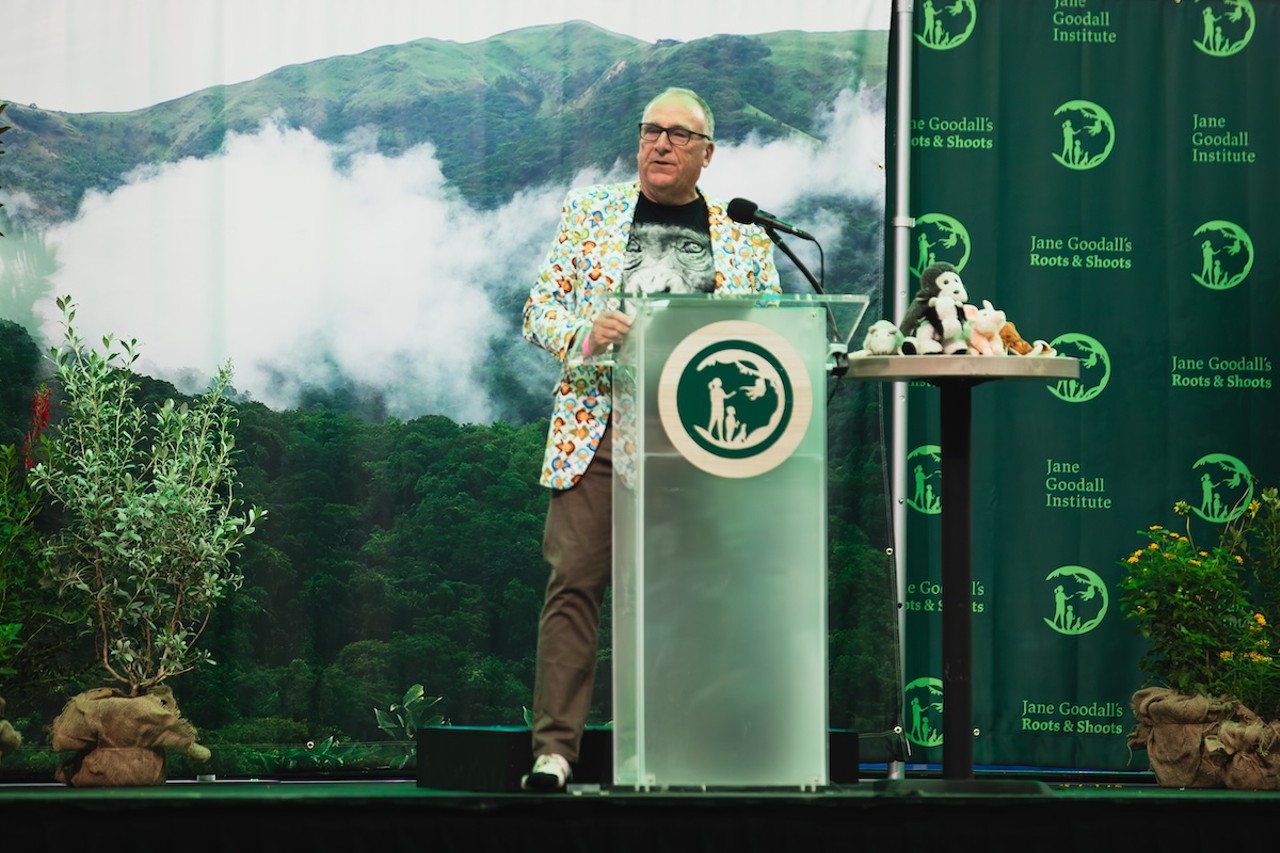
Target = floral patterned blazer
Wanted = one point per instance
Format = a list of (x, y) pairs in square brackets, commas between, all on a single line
[(584, 264)]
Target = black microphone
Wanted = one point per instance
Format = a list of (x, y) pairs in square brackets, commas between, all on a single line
[(749, 213)]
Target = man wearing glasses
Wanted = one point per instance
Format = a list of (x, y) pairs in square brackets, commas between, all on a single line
[(656, 234)]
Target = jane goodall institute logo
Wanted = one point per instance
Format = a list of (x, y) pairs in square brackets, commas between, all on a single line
[(1226, 254), (923, 711), (1226, 26), (944, 24), (1088, 134), (939, 237), (1225, 488), (735, 398), (1080, 600), (924, 475), (1095, 368)]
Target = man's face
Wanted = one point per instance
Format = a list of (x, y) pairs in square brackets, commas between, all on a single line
[(669, 173)]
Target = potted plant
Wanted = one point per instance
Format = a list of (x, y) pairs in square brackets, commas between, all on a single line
[(1211, 715), (150, 524)]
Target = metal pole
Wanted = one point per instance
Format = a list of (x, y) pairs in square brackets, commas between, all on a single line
[(902, 223)]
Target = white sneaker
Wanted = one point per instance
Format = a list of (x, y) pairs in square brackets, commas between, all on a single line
[(550, 773)]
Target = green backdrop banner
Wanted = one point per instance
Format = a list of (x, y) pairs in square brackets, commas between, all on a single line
[(1106, 174)]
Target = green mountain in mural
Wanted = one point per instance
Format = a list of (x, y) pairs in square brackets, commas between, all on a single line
[(517, 109)]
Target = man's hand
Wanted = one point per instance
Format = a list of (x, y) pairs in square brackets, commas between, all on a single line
[(608, 330)]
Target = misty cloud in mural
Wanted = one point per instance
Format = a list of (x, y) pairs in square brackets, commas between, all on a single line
[(315, 265)]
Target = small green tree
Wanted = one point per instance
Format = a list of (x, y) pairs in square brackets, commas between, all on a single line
[(403, 719), (151, 517)]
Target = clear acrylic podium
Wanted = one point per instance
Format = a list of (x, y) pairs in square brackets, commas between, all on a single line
[(720, 540)]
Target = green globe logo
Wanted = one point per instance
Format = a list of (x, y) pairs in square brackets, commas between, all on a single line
[(1079, 600), (1095, 368), (1226, 487), (923, 711), (939, 238), (1226, 254), (735, 398), (924, 471), (1227, 26), (1088, 134), (944, 24)]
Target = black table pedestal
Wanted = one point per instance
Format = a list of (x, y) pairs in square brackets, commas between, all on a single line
[(957, 582), (955, 376)]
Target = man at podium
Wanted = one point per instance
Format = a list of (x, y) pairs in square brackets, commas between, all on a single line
[(656, 234)]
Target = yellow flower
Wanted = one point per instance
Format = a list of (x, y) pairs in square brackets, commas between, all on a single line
[(1260, 619), (1133, 559), (1225, 654), (1153, 547)]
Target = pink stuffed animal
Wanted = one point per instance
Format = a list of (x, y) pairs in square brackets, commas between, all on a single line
[(984, 329)]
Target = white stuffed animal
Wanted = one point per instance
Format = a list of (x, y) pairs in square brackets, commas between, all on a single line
[(943, 328), (883, 338)]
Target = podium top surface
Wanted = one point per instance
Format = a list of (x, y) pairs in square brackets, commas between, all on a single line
[(844, 312), (757, 299), (977, 368)]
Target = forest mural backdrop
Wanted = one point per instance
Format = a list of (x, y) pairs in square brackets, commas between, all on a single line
[(358, 234)]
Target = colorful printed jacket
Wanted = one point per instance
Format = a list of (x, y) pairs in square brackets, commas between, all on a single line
[(585, 262)]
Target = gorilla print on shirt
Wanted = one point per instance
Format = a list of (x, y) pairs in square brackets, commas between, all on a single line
[(669, 249)]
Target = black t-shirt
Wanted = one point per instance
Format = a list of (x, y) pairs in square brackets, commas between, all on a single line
[(669, 250)]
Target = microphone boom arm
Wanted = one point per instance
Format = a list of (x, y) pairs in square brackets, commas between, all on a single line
[(786, 250), (841, 365)]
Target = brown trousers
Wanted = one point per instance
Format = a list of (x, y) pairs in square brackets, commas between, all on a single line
[(578, 545)]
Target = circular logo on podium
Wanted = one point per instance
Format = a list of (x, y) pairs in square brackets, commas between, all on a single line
[(735, 399)]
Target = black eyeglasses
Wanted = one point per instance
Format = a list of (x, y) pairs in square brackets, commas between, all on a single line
[(677, 135)]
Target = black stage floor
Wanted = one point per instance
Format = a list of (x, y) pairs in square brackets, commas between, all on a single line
[(993, 813)]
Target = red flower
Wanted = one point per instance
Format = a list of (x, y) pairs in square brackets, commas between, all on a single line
[(40, 411)]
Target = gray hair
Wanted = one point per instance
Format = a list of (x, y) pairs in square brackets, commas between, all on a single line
[(689, 95)]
